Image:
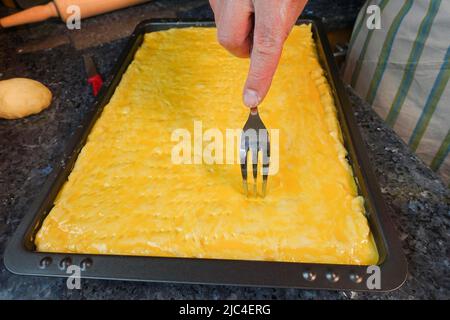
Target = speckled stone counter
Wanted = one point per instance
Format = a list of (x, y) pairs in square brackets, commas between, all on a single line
[(31, 147)]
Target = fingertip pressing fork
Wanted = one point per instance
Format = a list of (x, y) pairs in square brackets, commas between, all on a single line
[(254, 139)]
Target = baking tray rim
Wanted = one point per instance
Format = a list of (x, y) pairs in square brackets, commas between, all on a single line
[(393, 266)]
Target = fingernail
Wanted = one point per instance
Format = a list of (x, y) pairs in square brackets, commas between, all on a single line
[(251, 98)]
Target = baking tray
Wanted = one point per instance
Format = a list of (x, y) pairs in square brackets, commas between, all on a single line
[(21, 257)]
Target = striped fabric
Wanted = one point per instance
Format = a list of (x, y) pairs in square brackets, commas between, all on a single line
[(403, 71)]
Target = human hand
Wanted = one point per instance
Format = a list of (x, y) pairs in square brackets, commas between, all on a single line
[(256, 29)]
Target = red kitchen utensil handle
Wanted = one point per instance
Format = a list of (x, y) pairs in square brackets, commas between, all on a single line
[(96, 83)]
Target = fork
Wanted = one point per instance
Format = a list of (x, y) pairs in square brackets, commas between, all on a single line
[(255, 138)]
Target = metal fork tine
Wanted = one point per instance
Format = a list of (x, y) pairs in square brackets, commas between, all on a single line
[(265, 150), (244, 178), (264, 187), (255, 169), (255, 139), (243, 158)]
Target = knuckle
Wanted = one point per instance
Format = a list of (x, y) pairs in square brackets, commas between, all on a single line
[(226, 40), (268, 44)]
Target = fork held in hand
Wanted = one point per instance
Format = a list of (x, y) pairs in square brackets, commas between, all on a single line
[(255, 138)]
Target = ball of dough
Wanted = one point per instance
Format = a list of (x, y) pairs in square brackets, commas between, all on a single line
[(21, 97)]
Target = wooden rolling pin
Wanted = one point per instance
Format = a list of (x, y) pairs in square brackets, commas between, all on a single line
[(58, 8)]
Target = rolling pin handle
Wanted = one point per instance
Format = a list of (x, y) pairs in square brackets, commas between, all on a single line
[(31, 15)]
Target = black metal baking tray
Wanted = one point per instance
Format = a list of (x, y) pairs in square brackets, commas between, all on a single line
[(21, 257)]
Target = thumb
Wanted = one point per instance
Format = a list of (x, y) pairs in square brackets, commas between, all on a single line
[(267, 47)]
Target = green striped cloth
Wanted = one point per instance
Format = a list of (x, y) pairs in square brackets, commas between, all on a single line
[(403, 70)]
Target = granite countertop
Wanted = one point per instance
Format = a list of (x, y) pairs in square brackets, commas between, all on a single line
[(31, 147)]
